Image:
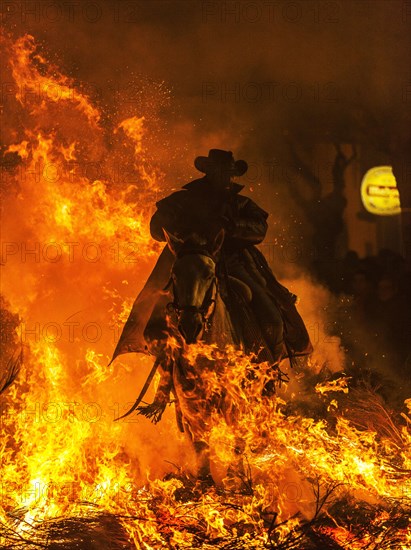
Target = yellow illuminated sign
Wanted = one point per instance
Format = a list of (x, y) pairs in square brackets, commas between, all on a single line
[(379, 192)]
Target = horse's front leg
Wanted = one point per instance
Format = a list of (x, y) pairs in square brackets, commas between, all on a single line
[(196, 433), (202, 450), (236, 478)]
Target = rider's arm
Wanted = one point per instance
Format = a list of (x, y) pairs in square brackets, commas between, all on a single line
[(250, 226), (167, 216), (159, 220)]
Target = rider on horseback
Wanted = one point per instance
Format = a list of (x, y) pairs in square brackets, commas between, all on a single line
[(210, 203), (262, 311)]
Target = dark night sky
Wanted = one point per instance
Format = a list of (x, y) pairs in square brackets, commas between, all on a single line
[(301, 70), (292, 62)]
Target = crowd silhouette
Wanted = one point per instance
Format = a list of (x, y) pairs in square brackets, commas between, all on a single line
[(374, 317)]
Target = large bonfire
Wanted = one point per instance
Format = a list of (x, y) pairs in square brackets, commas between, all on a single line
[(75, 251)]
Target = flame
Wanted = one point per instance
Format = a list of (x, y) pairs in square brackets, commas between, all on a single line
[(59, 445), (62, 212), (133, 128), (28, 67), (340, 384)]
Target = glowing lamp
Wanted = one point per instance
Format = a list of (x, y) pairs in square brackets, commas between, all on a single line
[(379, 192)]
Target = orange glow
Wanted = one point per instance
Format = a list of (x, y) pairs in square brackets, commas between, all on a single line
[(60, 446)]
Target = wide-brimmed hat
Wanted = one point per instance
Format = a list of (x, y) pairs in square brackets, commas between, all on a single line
[(223, 160)]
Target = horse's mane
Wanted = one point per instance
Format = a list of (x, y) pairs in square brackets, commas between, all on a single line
[(195, 239), (195, 243)]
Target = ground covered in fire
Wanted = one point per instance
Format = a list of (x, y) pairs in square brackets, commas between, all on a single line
[(312, 479)]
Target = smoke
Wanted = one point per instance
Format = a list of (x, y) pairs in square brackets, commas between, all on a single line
[(250, 71)]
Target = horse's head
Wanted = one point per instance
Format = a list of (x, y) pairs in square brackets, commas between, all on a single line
[(194, 282)]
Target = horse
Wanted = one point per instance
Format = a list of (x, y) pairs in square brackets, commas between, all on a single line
[(198, 317)]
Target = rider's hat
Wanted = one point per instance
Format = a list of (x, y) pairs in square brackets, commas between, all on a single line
[(219, 159)]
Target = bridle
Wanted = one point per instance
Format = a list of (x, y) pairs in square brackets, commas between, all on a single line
[(207, 308)]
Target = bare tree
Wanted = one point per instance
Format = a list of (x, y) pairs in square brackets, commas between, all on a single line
[(324, 212)]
